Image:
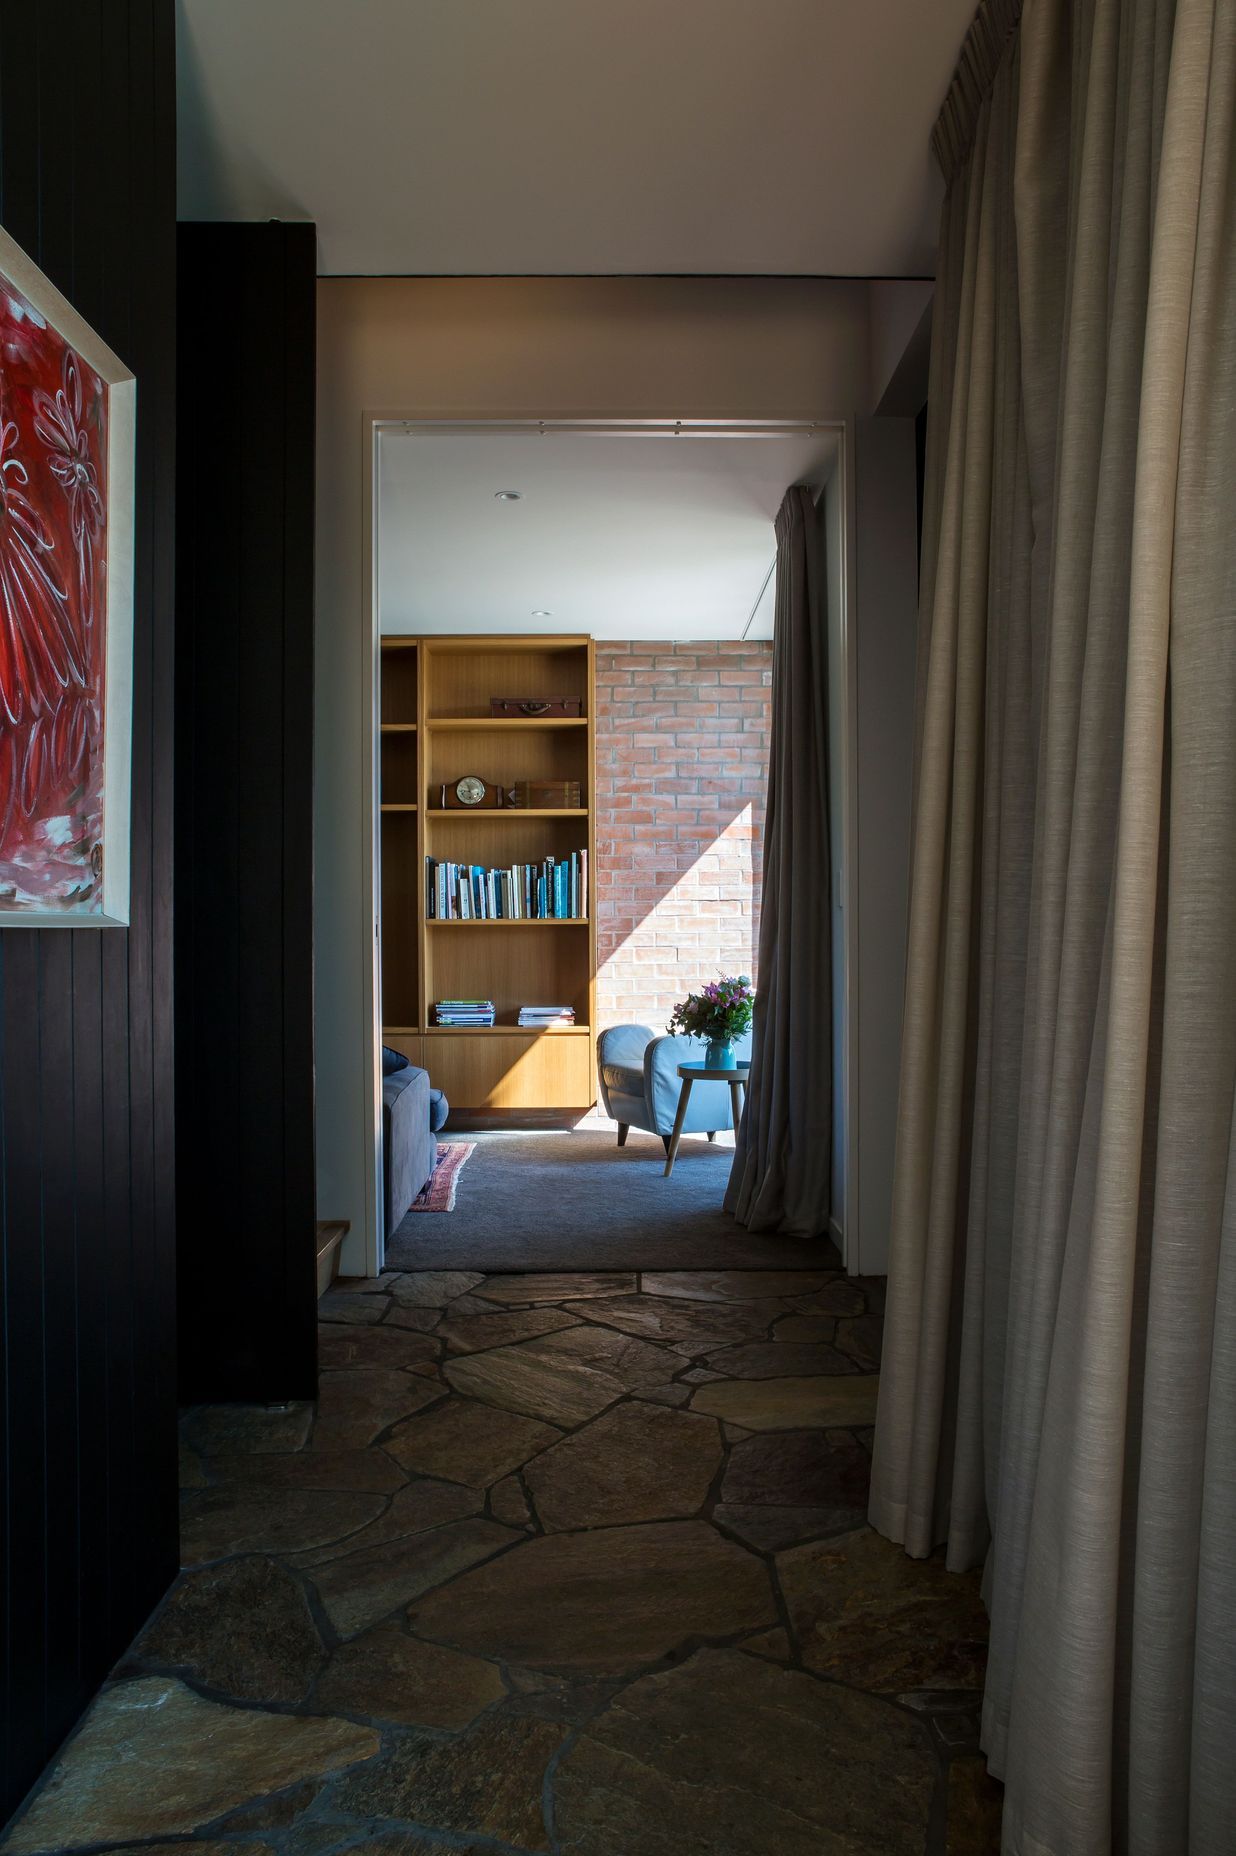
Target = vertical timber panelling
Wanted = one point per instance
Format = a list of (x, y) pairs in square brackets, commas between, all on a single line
[(87, 1380), (244, 926)]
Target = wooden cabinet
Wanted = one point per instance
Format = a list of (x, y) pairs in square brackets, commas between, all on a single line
[(435, 728)]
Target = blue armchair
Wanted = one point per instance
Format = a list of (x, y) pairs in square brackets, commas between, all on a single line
[(640, 1085)]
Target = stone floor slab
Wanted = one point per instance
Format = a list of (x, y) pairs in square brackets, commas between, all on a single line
[(508, 1503), (565, 1286), (691, 1327), (806, 1330), (370, 1471), (798, 1469), (243, 1628), (975, 1808), (862, 1337), (866, 1613), (731, 1753), (226, 1430), (466, 1441), (357, 1405), (633, 1362), (386, 1675), (533, 1379), (787, 1404), (208, 1758), (733, 1285), (605, 1602), (432, 1288), (363, 1588), (216, 1524), (778, 1359), (836, 1298), (489, 1781), (500, 1327), (351, 1310), (639, 1462), (769, 1530), (413, 1510), (394, 1348)]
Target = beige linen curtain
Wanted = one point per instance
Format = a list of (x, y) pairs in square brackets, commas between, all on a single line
[(1059, 1387), (781, 1177)]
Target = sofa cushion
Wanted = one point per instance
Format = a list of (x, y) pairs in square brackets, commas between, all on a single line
[(439, 1109), (393, 1061), (626, 1079)]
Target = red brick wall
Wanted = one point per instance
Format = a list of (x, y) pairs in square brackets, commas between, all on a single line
[(682, 752)]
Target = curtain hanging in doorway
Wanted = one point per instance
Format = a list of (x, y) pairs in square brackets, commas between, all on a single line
[(1059, 1373), (782, 1165)]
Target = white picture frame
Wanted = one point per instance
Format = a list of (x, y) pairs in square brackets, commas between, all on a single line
[(108, 905)]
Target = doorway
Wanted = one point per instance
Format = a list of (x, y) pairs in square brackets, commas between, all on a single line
[(650, 547)]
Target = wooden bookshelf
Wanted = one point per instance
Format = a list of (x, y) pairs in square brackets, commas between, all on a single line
[(436, 727)]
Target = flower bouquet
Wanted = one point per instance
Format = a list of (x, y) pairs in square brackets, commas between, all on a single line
[(720, 1013)]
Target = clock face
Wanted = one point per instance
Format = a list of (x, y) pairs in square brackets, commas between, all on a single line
[(470, 791)]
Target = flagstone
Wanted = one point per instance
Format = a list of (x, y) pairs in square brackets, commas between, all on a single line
[(208, 1757), (798, 1469), (225, 1430), (370, 1470), (358, 1404), (242, 1628), (351, 1310), (862, 1336), (607, 1601), (837, 1298), (499, 1328), (465, 1441), (488, 1781), (731, 1752), (634, 1363), (806, 1330), (432, 1288), (421, 1505), (787, 1404), (693, 1328), (361, 1588), (865, 1612), (640, 1462), (778, 1359), (733, 1285), (535, 1380), (508, 1503), (218, 1523), (386, 1675), (564, 1286), (395, 1348)]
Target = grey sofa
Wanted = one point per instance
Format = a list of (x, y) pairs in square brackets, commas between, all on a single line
[(639, 1083), (412, 1114)]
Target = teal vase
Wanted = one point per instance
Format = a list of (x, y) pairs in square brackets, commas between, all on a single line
[(720, 1054)]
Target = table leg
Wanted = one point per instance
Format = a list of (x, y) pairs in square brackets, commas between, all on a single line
[(738, 1091), (679, 1118)]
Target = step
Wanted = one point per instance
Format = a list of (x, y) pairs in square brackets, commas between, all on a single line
[(330, 1239)]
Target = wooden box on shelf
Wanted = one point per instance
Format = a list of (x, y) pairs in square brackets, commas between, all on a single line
[(512, 962)]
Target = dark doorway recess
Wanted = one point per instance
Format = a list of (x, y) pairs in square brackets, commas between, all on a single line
[(244, 811)]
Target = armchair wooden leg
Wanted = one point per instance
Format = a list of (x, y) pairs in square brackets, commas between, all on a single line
[(624, 1128)]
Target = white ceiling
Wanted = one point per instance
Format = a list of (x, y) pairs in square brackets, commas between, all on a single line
[(517, 137), (619, 536)]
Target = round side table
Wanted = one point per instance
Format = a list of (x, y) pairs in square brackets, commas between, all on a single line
[(735, 1076)]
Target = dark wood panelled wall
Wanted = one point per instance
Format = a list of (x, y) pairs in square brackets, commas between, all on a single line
[(244, 845), (88, 1489)]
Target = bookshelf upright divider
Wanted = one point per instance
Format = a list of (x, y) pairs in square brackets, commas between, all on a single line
[(513, 962)]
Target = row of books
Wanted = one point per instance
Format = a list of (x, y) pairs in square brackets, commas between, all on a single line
[(554, 890), (538, 1017), (464, 1012)]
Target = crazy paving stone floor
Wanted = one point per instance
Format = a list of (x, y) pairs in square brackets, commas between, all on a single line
[(571, 1564)]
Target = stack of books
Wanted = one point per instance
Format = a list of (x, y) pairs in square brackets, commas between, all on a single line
[(464, 1012), (553, 890), (540, 1017)]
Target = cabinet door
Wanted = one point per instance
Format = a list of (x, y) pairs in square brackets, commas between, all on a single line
[(550, 1070)]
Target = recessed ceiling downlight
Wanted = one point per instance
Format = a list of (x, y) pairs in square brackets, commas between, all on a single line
[(507, 496), (541, 613)]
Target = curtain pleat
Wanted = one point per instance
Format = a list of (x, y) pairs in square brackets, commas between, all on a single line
[(781, 1177), (1059, 1383)]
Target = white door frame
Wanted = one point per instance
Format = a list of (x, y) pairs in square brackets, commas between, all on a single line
[(373, 423)]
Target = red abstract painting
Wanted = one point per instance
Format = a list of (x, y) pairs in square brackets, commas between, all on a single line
[(53, 615)]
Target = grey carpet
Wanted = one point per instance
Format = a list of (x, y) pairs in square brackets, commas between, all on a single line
[(554, 1200)]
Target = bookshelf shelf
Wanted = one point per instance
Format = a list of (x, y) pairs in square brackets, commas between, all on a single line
[(435, 727), (503, 724)]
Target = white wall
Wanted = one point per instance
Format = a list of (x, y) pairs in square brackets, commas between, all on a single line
[(504, 348)]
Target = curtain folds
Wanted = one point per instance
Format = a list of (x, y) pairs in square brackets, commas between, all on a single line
[(1059, 1385), (781, 1177)]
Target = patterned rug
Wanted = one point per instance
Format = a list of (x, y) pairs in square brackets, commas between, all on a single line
[(438, 1192)]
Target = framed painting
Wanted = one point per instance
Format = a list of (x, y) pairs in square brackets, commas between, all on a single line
[(67, 423)]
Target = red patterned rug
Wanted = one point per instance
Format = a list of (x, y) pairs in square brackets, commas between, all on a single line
[(438, 1193)]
